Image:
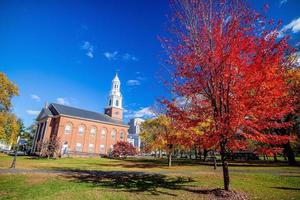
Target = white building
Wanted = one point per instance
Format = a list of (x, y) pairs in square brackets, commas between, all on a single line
[(5, 146), (134, 131)]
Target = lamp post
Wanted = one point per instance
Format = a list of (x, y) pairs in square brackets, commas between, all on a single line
[(13, 164)]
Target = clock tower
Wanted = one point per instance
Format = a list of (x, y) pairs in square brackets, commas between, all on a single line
[(114, 108)]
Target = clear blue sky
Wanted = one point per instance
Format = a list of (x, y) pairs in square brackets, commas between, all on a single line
[(68, 51)]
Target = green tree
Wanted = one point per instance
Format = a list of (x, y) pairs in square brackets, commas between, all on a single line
[(28, 134)]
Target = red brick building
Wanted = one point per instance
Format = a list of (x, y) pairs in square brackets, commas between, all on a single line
[(83, 132)]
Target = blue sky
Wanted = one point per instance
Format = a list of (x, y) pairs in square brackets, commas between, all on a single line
[(68, 51)]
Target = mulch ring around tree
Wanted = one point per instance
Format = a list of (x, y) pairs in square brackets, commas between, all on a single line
[(218, 194)]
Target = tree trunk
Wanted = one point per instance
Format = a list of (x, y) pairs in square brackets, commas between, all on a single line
[(284, 157), (275, 157), (205, 154), (215, 160), (170, 159), (290, 154), (225, 168)]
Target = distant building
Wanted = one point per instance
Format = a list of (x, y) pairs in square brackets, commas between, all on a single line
[(5, 146), (134, 131), (83, 132)]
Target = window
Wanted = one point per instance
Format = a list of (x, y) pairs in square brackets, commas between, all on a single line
[(78, 147), (102, 148), (91, 148), (113, 135), (122, 136), (117, 102), (93, 131), (103, 135), (110, 102), (68, 128), (81, 129)]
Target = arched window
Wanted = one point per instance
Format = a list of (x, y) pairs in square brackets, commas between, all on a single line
[(93, 131), (103, 135), (113, 135), (117, 102), (68, 128), (122, 136), (81, 129)]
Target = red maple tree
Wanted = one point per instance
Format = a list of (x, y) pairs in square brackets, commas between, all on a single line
[(230, 66), (123, 149)]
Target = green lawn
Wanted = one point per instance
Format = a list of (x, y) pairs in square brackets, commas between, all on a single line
[(100, 178)]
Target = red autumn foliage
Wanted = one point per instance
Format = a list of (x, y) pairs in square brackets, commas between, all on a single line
[(123, 149), (230, 65), (269, 151)]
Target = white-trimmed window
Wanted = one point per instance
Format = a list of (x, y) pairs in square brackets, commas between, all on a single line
[(81, 129), (103, 135), (122, 136), (114, 135), (91, 148), (93, 131), (102, 148), (68, 128), (79, 147)]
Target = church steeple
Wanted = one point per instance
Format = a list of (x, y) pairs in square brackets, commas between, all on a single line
[(114, 108), (115, 88)]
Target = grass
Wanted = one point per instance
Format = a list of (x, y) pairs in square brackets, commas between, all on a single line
[(100, 178)]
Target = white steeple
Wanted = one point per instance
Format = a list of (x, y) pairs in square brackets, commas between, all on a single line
[(115, 96)]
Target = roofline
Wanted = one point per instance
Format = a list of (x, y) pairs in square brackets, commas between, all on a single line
[(88, 119), (39, 119), (93, 120)]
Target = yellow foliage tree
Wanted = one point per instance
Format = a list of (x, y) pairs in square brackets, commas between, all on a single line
[(9, 125), (160, 133), (9, 128)]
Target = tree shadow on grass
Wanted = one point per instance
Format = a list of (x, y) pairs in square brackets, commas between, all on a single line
[(130, 164), (286, 188), (163, 162), (146, 182), (128, 181)]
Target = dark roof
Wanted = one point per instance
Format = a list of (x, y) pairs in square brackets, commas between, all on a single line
[(45, 112), (58, 109)]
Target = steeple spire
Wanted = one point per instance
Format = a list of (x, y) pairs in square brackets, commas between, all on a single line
[(116, 77), (114, 107)]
